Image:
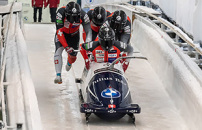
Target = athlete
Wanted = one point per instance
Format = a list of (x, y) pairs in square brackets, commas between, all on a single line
[(97, 17), (121, 25), (68, 20), (106, 49)]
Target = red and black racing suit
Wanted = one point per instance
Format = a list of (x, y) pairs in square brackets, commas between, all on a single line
[(101, 55), (95, 28), (67, 35), (124, 34)]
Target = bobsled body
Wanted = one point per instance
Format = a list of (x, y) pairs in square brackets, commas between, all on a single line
[(105, 92)]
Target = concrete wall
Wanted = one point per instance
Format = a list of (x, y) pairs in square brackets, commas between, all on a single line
[(187, 13), (173, 67), (28, 10), (22, 104), (87, 3), (182, 86), (3, 2)]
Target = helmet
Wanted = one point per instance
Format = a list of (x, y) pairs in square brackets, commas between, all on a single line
[(99, 15), (106, 38), (118, 20), (73, 12)]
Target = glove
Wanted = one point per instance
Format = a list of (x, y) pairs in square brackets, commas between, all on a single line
[(69, 49), (89, 53), (123, 55), (87, 63), (125, 65)]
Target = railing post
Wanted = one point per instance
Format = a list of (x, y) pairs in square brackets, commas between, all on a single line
[(163, 27), (177, 39), (2, 69), (19, 126), (2, 125)]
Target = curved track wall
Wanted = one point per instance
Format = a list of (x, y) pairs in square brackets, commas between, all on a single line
[(182, 86), (174, 68), (20, 99)]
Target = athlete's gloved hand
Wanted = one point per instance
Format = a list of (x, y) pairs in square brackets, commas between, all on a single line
[(87, 63), (125, 65), (123, 55), (69, 49)]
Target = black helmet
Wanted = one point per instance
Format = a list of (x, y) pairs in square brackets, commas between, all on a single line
[(99, 15), (118, 20), (106, 38), (73, 12)]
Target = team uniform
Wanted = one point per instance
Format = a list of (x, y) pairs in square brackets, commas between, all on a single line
[(123, 32), (53, 5), (102, 55), (97, 17), (67, 36), (95, 28), (37, 5)]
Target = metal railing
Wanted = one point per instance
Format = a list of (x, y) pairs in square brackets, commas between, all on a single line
[(190, 47), (153, 19), (19, 112), (193, 48), (164, 27), (4, 40)]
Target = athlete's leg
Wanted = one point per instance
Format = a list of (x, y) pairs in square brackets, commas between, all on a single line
[(74, 43), (58, 60)]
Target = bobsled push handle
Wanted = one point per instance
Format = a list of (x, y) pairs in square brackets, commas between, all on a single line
[(76, 50), (125, 57)]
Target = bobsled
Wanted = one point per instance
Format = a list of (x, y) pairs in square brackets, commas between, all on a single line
[(104, 91)]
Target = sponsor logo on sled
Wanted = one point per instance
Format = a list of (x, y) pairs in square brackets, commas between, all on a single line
[(111, 111), (110, 93), (102, 79), (88, 110)]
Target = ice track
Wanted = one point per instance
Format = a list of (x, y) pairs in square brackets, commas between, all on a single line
[(59, 104)]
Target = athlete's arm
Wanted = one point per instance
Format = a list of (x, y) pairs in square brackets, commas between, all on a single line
[(59, 26), (86, 25), (123, 47), (125, 37), (60, 18)]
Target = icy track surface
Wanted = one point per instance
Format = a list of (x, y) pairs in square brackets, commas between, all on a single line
[(59, 104)]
